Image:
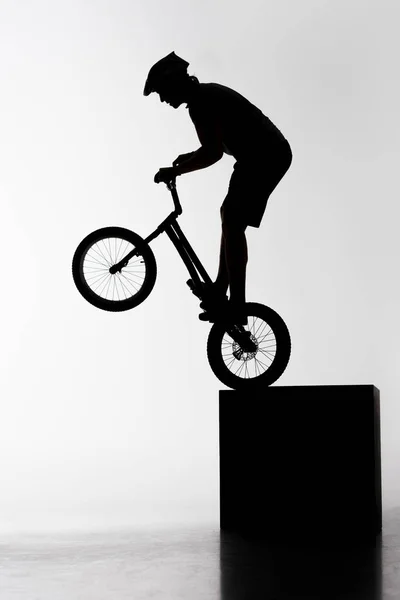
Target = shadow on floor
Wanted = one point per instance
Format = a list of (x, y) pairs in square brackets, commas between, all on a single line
[(252, 570)]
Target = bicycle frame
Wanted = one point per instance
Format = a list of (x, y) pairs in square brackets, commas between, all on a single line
[(190, 259), (172, 229)]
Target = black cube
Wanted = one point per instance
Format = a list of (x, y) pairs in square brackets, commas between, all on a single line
[(301, 464)]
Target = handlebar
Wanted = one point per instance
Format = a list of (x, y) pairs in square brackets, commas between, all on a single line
[(171, 185)]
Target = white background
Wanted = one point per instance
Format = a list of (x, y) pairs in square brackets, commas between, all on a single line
[(112, 419)]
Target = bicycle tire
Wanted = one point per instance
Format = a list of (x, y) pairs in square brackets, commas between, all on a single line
[(146, 257), (218, 360)]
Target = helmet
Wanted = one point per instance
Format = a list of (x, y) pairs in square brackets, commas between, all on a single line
[(169, 65)]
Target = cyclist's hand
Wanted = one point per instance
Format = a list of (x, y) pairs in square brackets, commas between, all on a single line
[(165, 174), (181, 158)]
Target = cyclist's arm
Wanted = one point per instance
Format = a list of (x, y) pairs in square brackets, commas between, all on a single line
[(200, 159), (209, 132)]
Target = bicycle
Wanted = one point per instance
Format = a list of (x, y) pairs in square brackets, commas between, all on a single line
[(115, 270)]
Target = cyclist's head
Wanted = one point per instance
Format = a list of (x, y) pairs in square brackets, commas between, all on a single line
[(169, 78)]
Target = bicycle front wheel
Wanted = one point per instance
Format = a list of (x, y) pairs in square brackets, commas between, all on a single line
[(101, 250), (244, 369)]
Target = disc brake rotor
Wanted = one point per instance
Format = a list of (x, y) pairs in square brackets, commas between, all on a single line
[(241, 353)]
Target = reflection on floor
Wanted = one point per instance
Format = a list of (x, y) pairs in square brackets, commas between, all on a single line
[(195, 563)]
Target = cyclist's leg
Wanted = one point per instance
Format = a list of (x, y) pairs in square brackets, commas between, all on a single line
[(222, 281), (229, 213), (236, 255), (249, 189)]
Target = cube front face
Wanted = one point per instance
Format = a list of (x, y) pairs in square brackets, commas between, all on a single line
[(301, 461)]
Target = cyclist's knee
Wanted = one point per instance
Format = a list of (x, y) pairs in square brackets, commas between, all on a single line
[(231, 222)]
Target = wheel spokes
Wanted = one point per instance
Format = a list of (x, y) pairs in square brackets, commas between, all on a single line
[(103, 254), (248, 365)]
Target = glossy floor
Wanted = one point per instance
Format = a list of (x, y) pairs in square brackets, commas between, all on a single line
[(193, 564)]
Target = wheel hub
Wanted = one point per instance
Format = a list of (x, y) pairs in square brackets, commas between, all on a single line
[(239, 350)]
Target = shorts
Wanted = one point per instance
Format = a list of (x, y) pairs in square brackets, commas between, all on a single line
[(252, 183)]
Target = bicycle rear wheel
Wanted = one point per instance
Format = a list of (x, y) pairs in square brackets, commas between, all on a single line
[(101, 250), (242, 369)]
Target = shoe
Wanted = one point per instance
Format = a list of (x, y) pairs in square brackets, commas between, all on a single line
[(204, 289), (213, 297), (221, 302), (224, 314), (213, 293), (227, 319)]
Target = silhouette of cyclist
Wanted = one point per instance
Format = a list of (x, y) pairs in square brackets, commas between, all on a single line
[(225, 122)]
